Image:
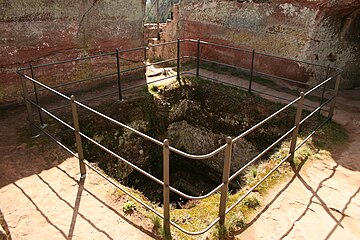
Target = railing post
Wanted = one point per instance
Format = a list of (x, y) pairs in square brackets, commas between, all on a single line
[(178, 61), (336, 93), (36, 97), (29, 109), (252, 69), (145, 55), (118, 74), (225, 181), (166, 189), (198, 58), (324, 89), (297, 126), (79, 146)]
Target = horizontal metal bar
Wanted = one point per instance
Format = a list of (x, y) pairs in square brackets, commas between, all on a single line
[(51, 115), (294, 60), (162, 44), (142, 171), (83, 80), (122, 159), (186, 56), (265, 120), (122, 189), (195, 233), (79, 81), (283, 78), (320, 84), (272, 95), (316, 110), (98, 144), (312, 133), (225, 64), (99, 96), (261, 154), (134, 68), (197, 157), (120, 124), (147, 65), (193, 197), (281, 98), (164, 61), (70, 60), (147, 83), (237, 86), (55, 140), (44, 86), (215, 80), (256, 185), (224, 46)]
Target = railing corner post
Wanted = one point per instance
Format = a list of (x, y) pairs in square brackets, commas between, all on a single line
[(79, 146), (178, 62), (252, 69), (33, 131), (225, 181), (198, 58), (297, 126), (118, 74), (166, 188), (324, 89), (336, 93), (42, 125)]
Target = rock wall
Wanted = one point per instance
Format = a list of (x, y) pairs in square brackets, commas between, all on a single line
[(319, 31), (46, 31)]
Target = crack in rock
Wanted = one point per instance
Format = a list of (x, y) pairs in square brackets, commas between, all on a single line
[(338, 211), (84, 15)]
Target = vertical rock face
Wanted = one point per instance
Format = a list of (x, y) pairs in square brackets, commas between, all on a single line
[(45, 31), (319, 31)]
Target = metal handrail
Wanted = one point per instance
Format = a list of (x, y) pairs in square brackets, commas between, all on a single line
[(265, 120), (120, 124), (257, 184), (43, 85), (166, 148), (261, 154)]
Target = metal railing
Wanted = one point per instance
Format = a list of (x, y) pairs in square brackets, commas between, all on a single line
[(71, 102)]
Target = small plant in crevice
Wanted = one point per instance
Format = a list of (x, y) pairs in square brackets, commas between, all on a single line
[(221, 232), (129, 207), (251, 174), (156, 221), (252, 201), (235, 221)]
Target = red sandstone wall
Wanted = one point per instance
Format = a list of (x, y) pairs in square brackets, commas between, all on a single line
[(46, 31), (303, 30)]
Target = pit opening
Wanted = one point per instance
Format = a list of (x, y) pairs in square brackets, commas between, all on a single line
[(195, 113), (196, 117)]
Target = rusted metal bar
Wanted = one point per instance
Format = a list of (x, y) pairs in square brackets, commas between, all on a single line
[(198, 58), (30, 119), (225, 180), (178, 62), (36, 96), (336, 93), (145, 55), (166, 189), (324, 89), (118, 74), (297, 126), (79, 146), (252, 69)]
